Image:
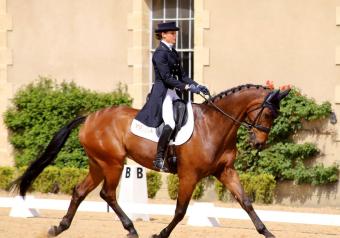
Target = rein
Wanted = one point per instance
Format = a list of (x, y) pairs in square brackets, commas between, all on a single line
[(243, 123)]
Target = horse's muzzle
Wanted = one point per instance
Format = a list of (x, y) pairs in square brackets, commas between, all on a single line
[(254, 142)]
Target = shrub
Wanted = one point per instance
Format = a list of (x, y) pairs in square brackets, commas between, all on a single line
[(154, 183), (173, 183), (199, 190), (6, 177), (42, 108), (69, 178), (259, 188), (221, 191), (54, 179), (47, 180)]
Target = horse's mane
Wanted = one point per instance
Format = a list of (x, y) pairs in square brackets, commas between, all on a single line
[(236, 89)]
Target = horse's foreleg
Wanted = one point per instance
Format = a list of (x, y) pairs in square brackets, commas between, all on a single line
[(108, 193), (186, 187), (79, 193), (231, 180)]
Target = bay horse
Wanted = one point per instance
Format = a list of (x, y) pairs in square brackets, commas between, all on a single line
[(211, 150)]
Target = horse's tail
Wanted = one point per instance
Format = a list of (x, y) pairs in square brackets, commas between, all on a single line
[(47, 157)]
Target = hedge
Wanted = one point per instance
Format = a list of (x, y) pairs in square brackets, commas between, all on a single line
[(6, 177), (41, 108), (260, 188), (154, 183), (173, 183), (54, 179)]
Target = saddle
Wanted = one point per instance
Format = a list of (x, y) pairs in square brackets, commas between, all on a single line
[(180, 118)]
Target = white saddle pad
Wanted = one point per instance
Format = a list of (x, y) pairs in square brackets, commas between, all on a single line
[(141, 130)]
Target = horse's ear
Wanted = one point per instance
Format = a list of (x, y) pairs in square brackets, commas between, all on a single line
[(273, 96), (283, 94)]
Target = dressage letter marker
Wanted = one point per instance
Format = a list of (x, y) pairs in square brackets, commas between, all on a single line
[(133, 190), (200, 215), (21, 207)]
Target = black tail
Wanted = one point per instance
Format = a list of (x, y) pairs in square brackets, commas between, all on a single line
[(47, 157)]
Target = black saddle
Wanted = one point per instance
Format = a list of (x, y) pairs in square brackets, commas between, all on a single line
[(179, 108)]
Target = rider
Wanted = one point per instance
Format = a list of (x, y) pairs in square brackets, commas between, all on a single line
[(170, 83)]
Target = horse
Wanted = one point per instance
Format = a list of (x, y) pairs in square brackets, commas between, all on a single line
[(211, 150)]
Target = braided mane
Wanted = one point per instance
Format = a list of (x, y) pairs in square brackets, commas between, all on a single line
[(236, 89)]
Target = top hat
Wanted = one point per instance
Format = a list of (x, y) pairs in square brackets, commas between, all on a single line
[(166, 26)]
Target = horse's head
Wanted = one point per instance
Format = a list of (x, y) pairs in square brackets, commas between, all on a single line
[(260, 117)]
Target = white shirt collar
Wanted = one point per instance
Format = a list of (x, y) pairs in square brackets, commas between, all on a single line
[(167, 44)]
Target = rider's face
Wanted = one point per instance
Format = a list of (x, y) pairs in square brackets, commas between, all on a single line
[(169, 37)]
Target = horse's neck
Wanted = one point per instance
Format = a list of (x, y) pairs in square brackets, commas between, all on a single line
[(237, 104)]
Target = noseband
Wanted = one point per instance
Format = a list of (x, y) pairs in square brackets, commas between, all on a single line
[(254, 124)]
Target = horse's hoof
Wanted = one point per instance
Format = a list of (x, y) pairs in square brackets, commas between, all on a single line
[(267, 234), (52, 232), (132, 236)]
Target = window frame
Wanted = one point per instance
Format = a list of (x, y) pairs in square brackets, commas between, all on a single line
[(189, 50)]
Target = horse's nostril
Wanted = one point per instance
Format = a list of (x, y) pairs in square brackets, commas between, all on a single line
[(258, 145)]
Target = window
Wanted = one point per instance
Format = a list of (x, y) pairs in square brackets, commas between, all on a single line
[(182, 12)]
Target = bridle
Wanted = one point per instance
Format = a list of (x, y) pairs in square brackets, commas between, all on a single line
[(253, 124)]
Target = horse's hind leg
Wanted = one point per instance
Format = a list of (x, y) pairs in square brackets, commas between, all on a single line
[(231, 180), (108, 193), (79, 193)]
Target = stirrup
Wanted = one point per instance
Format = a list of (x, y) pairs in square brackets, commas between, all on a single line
[(159, 163)]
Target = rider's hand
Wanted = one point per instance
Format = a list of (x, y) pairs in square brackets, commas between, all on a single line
[(192, 88), (203, 89)]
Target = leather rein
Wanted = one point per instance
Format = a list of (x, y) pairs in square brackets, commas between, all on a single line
[(248, 125)]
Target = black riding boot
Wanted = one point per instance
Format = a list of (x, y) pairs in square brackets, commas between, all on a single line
[(159, 162)]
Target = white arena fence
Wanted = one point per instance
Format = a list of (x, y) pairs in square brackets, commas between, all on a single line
[(200, 214)]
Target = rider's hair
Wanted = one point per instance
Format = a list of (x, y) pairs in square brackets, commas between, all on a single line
[(158, 35)]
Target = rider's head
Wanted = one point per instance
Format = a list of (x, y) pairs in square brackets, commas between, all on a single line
[(167, 31)]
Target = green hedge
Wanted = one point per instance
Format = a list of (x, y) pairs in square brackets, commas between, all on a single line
[(42, 108), (173, 183), (260, 188), (6, 177), (154, 183), (47, 180), (54, 179), (70, 177)]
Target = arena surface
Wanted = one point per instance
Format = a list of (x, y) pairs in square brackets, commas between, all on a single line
[(103, 225)]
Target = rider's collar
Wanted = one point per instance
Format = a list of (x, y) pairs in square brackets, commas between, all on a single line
[(169, 45)]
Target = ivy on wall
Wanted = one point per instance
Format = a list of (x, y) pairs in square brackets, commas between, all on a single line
[(283, 158)]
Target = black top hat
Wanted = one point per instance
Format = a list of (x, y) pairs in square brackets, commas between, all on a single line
[(166, 26)]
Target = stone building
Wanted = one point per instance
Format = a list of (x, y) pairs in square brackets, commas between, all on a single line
[(224, 43)]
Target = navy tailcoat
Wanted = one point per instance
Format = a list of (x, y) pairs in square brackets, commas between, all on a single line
[(168, 75)]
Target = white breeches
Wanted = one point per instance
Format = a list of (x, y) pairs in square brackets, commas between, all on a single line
[(167, 112)]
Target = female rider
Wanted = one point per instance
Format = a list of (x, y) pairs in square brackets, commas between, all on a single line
[(170, 83)]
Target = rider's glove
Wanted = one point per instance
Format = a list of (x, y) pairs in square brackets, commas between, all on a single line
[(192, 88), (203, 89)]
